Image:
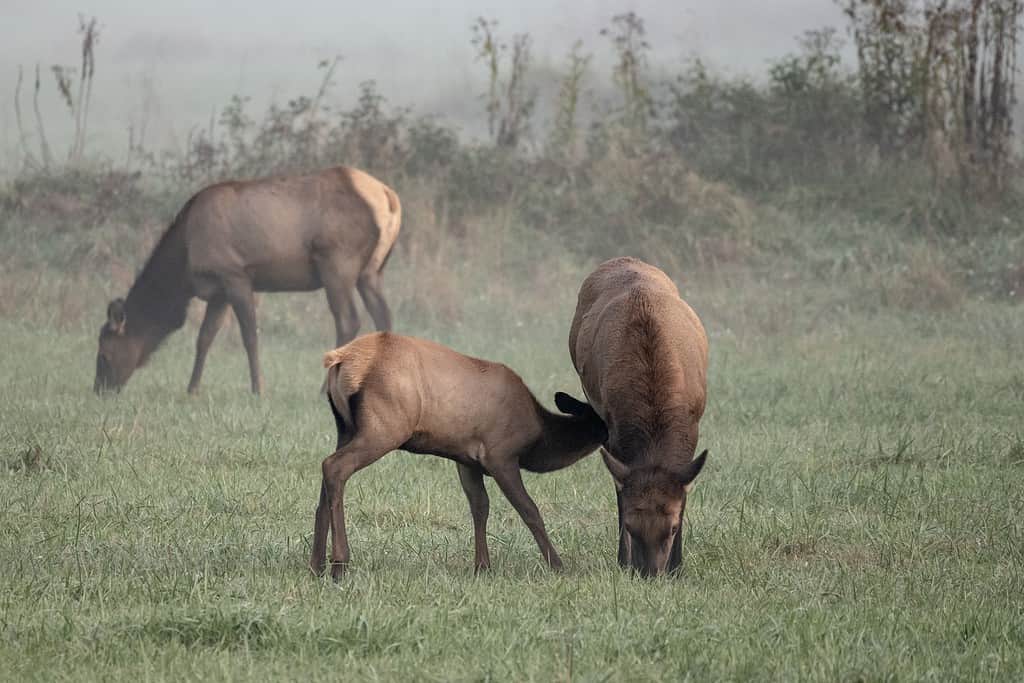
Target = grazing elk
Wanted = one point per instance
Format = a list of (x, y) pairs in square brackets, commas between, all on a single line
[(642, 356), (391, 392), (332, 229)]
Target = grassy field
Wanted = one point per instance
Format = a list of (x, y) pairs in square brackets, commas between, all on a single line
[(860, 517)]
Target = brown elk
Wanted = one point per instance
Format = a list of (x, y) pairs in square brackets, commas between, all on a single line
[(333, 229), (642, 356), (390, 392)]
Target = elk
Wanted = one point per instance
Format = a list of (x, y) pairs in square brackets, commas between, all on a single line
[(642, 357), (331, 229), (390, 392)]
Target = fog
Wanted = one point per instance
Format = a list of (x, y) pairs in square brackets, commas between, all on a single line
[(170, 67)]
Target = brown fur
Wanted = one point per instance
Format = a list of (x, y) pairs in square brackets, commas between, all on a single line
[(332, 229), (392, 392), (642, 356)]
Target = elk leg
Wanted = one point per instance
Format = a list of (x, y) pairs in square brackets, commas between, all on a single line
[(472, 479), (625, 543), (339, 285), (216, 310), (321, 523), (369, 290), (675, 558), (638, 558), (337, 469), (346, 316), (243, 302), (511, 482)]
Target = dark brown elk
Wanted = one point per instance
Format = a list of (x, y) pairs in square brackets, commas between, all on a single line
[(390, 392), (642, 356), (333, 229)]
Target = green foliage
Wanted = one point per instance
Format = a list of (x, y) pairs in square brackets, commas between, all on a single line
[(937, 82), (630, 72), (671, 161), (510, 101), (77, 197), (800, 130), (563, 139)]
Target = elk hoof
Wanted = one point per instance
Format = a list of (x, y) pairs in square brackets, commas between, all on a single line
[(338, 570)]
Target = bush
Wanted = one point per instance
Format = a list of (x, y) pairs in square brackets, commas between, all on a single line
[(679, 165)]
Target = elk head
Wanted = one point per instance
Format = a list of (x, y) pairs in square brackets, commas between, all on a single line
[(118, 353), (653, 501)]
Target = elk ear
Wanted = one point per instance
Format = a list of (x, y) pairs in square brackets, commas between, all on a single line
[(116, 317), (570, 406), (693, 469), (616, 467)]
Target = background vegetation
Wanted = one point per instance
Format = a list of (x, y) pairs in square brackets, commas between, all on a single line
[(849, 233)]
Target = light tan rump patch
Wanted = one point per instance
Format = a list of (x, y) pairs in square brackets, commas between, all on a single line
[(389, 222), (332, 358)]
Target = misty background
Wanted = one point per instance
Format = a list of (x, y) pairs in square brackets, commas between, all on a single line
[(167, 67), (706, 137)]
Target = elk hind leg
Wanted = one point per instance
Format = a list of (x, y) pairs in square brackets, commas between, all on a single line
[(472, 479), (370, 291), (337, 468), (321, 523), (339, 281), (243, 301)]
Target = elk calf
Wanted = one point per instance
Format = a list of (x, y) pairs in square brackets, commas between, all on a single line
[(642, 356), (390, 392)]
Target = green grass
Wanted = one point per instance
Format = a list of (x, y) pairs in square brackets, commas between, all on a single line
[(860, 517)]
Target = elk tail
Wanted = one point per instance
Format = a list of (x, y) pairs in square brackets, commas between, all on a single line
[(395, 225), (340, 396)]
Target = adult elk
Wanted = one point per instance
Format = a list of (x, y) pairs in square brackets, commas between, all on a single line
[(332, 229), (391, 392), (642, 356)]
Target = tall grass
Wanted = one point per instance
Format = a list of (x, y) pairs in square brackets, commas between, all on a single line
[(859, 517)]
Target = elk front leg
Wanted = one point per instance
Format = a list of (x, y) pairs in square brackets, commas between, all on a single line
[(675, 558), (472, 480), (625, 543), (511, 482), (213, 319)]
